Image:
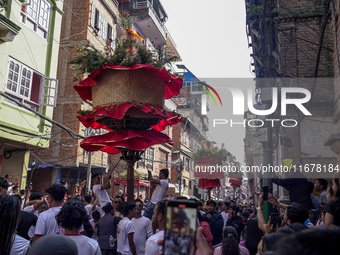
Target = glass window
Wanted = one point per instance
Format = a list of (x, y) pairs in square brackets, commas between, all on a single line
[(13, 76), (19, 78), (149, 158), (36, 16)]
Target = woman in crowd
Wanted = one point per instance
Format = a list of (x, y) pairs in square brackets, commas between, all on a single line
[(230, 245), (11, 243), (253, 236)]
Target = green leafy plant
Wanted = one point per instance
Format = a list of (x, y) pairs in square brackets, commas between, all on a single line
[(127, 53), (127, 20), (256, 9)]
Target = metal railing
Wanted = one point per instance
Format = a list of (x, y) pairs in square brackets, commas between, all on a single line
[(147, 4)]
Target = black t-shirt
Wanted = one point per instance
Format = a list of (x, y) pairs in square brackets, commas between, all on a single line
[(26, 220), (333, 208)]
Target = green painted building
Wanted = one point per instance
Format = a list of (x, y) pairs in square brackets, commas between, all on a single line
[(29, 47)]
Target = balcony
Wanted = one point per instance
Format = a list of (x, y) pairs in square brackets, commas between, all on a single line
[(150, 22)]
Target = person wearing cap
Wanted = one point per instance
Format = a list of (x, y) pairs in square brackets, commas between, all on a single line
[(159, 192)]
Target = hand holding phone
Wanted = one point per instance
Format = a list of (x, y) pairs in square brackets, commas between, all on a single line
[(265, 193), (180, 228), (274, 219)]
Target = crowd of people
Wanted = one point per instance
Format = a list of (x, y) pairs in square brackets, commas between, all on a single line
[(98, 224)]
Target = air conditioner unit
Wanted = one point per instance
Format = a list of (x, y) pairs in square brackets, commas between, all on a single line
[(27, 2)]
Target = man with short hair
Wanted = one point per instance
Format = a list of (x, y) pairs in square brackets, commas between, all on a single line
[(293, 213), (100, 190), (3, 186), (215, 221), (106, 227), (126, 230), (15, 190), (159, 192), (89, 206), (116, 204), (235, 220), (224, 213), (35, 201), (158, 222), (47, 223), (143, 228)]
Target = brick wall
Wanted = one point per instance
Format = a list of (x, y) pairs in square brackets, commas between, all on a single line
[(298, 46)]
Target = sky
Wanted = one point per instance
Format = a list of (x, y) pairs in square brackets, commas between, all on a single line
[(211, 39)]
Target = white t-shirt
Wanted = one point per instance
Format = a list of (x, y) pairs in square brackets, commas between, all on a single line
[(125, 228), (117, 214), (85, 245), (151, 247), (101, 194), (185, 243), (160, 191), (94, 236), (143, 230), (168, 246), (90, 211), (20, 246), (47, 224), (225, 218)]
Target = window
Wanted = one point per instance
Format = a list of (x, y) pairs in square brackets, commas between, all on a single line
[(99, 23), (164, 159), (186, 84), (186, 164), (196, 88), (185, 138), (111, 35), (149, 158), (190, 185), (30, 87), (37, 16)]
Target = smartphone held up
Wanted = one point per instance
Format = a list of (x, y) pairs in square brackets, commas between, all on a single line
[(180, 227)]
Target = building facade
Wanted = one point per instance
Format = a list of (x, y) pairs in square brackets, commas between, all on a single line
[(88, 23), (292, 41), (29, 48)]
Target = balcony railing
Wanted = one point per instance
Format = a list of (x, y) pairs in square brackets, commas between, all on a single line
[(115, 2), (137, 4)]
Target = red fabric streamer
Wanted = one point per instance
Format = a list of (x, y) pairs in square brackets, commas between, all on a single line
[(118, 111), (208, 183), (134, 140)]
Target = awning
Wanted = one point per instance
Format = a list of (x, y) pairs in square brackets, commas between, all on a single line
[(41, 165)]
